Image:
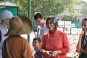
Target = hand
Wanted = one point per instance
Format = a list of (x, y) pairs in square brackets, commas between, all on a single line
[(47, 53), (55, 53), (82, 32), (84, 51)]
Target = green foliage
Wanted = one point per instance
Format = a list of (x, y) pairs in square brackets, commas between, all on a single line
[(53, 7), (70, 6), (69, 18), (5, 0), (1, 0), (47, 7), (23, 7)]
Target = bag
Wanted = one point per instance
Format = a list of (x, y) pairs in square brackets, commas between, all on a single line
[(83, 55)]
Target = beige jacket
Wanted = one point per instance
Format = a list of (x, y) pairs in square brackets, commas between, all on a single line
[(18, 48)]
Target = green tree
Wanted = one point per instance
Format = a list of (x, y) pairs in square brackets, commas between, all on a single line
[(53, 7), (70, 6), (69, 18), (1, 0), (47, 7)]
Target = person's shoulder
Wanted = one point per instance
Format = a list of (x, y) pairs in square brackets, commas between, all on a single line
[(44, 24), (22, 39), (45, 27), (45, 34), (61, 32)]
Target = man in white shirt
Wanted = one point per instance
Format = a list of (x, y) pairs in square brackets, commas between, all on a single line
[(42, 29), (5, 16)]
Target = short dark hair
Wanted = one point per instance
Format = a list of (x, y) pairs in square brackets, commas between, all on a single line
[(38, 39), (38, 15)]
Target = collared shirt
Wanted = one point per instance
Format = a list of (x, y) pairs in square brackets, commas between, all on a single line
[(3, 32), (41, 31)]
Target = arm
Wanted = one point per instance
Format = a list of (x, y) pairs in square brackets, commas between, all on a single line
[(83, 51), (43, 45), (43, 51), (78, 47), (66, 46)]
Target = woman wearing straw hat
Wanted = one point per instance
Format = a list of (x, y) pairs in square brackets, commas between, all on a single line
[(5, 16), (16, 46)]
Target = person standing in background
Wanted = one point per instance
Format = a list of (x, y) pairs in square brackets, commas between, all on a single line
[(5, 16), (82, 43), (42, 29), (37, 46)]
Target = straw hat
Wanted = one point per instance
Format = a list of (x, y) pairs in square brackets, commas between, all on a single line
[(19, 25)]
